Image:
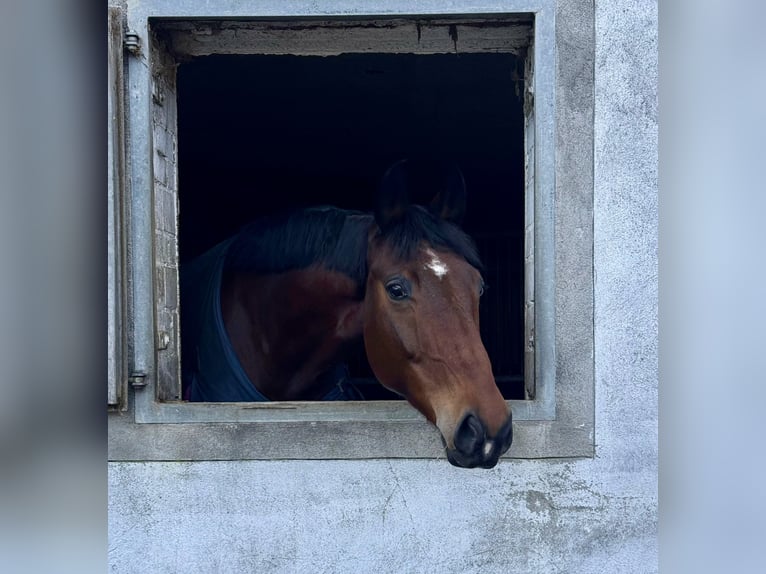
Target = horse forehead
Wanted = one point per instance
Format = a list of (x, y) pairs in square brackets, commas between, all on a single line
[(434, 263), (426, 261), (445, 266)]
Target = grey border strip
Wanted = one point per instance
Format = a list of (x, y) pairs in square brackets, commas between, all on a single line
[(116, 339)]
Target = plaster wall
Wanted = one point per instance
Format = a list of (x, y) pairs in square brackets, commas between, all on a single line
[(583, 515)]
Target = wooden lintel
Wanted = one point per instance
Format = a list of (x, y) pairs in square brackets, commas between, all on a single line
[(327, 38)]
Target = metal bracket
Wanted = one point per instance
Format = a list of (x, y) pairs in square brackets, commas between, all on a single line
[(163, 340), (132, 42), (137, 380)]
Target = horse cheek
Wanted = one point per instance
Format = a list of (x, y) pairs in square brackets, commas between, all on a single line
[(378, 356), (350, 321), (384, 354)]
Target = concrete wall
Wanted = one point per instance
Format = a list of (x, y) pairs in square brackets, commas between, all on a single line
[(569, 516)]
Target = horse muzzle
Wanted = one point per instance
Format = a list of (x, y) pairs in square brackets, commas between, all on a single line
[(473, 445)]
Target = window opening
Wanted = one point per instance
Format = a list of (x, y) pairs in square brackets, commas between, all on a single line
[(261, 133)]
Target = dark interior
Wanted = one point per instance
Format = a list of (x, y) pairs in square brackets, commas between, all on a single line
[(264, 133)]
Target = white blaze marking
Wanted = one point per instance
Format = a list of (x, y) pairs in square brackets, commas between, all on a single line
[(436, 265), (488, 447)]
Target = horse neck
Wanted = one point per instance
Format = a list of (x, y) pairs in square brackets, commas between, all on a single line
[(288, 328)]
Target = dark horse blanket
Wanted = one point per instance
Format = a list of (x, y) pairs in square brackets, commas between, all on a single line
[(211, 369)]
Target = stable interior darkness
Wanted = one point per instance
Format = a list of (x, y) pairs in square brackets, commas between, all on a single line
[(263, 133)]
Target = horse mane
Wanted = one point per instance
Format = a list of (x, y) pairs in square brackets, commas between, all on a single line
[(337, 239), (326, 236), (417, 224)]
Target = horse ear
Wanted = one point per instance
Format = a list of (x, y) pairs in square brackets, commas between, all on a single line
[(450, 202), (392, 199)]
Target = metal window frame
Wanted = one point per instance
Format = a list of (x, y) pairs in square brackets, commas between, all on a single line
[(116, 304), (557, 422)]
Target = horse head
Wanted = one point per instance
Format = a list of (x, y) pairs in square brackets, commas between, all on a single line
[(421, 318)]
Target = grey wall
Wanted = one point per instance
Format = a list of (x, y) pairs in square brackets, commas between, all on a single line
[(585, 515)]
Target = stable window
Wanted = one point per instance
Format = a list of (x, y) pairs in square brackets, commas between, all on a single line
[(312, 111), (262, 133)]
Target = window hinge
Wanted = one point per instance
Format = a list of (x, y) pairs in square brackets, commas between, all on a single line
[(163, 340), (132, 42), (137, 380)]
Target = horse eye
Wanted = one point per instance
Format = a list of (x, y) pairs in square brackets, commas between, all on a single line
[(482, 288), (397, 290)]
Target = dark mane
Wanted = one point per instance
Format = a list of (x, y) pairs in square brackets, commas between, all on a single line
[(417, 224), (337, 239), (331, 237)]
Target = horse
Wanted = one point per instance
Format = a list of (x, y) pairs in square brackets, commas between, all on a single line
[(269, 314)]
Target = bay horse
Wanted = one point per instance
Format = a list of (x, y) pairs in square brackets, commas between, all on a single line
[(270, 313)]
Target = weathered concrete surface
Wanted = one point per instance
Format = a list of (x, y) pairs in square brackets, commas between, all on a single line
[(582, 516), (379, 516)]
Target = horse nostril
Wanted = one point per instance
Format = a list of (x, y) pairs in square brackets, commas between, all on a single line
[(470, 435), (505, 435)]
